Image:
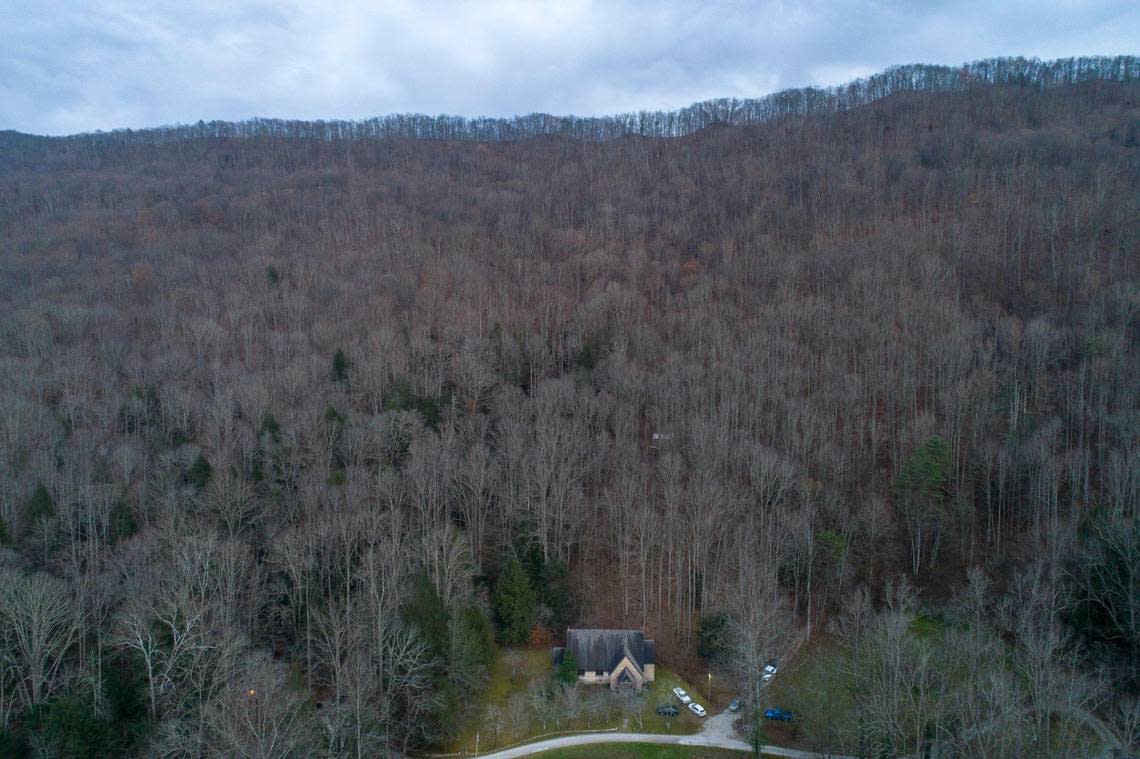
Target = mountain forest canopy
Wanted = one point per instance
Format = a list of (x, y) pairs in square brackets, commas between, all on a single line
[(300, 421)]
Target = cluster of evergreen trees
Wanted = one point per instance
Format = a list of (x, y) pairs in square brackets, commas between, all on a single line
[(532, 598)]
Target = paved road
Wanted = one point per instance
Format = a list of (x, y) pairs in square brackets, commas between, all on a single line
[(718, 732), (531, 749)]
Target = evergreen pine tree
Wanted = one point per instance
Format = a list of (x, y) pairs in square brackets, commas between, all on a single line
[(340, 366), (567, 668), (514, 602), (426, 610), (472, 649), (200, 472), (39, 505)]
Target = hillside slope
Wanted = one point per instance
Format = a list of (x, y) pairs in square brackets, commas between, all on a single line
[(255, 386)]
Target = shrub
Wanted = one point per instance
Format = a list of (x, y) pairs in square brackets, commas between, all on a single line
[(540, 637)]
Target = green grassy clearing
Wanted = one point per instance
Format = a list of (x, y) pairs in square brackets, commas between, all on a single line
[(814, 688), (506, 715), (661, 692)]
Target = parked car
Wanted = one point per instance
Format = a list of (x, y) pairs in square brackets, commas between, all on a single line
[(668, 710), (735, 705), (682, 695), (778, 714), (697, 709), (770, 671)]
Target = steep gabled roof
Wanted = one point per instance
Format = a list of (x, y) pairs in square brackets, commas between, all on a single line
[(602, 649)]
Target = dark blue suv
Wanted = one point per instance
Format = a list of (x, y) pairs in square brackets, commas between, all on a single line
[(778, 714)]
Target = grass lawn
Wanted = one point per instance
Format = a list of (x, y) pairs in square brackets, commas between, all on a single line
[(813, 687), (506, 716), (661, 692), (507, 677), (641, 751)]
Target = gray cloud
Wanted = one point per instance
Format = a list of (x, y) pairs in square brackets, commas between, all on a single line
[(101, 64)]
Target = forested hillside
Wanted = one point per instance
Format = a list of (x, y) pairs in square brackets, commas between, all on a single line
[(300, 420)]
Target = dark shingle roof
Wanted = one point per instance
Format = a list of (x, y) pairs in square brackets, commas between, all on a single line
[(603, 649)]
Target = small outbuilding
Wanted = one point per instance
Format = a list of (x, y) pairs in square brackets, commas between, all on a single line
[(617, 658)]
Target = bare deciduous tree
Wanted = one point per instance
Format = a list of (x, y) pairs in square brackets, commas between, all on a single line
[(259, 715), (40, 623)]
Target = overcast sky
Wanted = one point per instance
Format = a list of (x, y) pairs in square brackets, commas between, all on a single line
[(100, 64)]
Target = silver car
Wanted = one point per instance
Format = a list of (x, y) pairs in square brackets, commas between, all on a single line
[(682, 695)]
